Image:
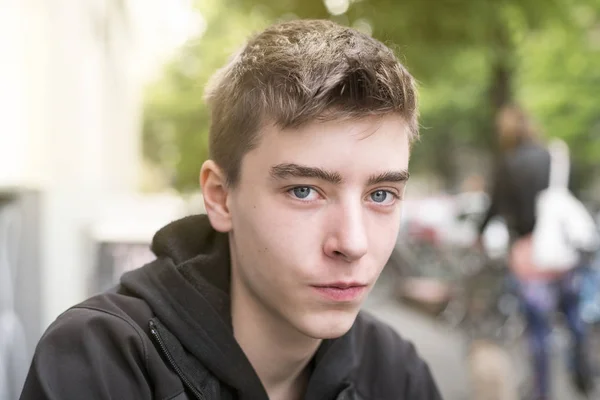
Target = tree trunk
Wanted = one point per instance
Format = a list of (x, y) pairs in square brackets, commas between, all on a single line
[(500, 85), (500, 89)]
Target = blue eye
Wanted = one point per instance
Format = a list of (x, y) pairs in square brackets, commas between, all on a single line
[(305, 194), (301, 192), (383, 197), (380, 196)]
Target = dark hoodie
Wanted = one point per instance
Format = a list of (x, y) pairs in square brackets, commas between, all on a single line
[(521, 175), (165, 333)]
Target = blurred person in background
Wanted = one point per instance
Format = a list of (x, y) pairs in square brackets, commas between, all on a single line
[(522, 174), (259, 299)]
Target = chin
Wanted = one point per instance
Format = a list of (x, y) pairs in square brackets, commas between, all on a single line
[(329, 324)]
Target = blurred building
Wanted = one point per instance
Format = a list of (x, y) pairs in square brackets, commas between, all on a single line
[(71, 82)]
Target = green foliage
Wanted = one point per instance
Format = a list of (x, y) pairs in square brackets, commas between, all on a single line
[(559, 83), (176, 119), (469, 56)]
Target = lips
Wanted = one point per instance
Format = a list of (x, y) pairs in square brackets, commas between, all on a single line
[(341, 291)]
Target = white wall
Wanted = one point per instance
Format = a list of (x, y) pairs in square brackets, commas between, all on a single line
[(70, 103), (71, 80)]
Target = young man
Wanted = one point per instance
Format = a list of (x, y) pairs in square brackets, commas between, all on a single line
[(310, 137)]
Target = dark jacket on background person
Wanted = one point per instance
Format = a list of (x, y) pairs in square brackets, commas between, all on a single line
[(165, 333), (520, 176)]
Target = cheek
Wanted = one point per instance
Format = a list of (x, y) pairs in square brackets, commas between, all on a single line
[(271, 237), (383, 234)]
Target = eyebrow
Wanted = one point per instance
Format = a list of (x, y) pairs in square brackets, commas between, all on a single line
[(290, 170), (389, 176), (283, 171)]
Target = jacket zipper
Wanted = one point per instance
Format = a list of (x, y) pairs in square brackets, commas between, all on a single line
[(197, 394)]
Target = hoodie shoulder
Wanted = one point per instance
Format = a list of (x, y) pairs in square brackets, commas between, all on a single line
[(89, 349), (389, 366), (100, 346)]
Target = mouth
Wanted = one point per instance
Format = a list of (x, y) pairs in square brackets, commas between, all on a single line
[(341, 291)]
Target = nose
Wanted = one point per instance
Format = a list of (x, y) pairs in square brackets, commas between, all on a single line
[(347, 237)]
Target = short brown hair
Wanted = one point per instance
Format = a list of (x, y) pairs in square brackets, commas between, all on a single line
[(300, 71)]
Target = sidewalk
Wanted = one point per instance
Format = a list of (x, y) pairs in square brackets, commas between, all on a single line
[(443, 348)]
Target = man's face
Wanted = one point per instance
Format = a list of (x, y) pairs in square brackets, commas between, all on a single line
[(315, 216)]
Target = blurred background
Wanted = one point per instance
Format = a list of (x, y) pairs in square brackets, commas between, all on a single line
[(103, 131)]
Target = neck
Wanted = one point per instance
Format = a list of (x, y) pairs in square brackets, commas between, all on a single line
[(278, 352)]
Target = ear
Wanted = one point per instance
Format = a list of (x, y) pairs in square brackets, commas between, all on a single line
[(215, 193)]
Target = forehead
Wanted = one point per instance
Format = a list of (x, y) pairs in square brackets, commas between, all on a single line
[(350, 146)]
